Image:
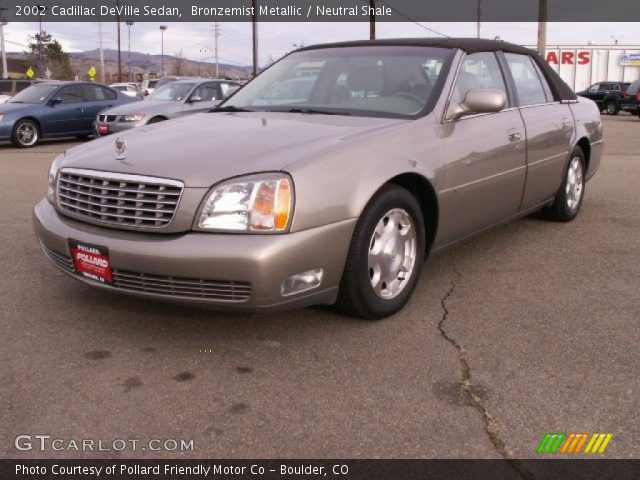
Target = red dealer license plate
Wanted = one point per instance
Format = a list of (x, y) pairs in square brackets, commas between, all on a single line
[(91, 261), (103, 129)]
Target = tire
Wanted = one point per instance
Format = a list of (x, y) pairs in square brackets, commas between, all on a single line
[(612, 108), (568, 200), (385, 256), (26, 133)]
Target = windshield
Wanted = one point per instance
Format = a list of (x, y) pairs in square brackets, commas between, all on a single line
[(173, 92), (368, 81), (34, 94)]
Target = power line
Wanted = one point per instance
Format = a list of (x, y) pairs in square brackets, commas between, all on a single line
[(429, 29)]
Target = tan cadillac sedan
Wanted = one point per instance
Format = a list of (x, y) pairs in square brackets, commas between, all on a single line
[(328, 179)]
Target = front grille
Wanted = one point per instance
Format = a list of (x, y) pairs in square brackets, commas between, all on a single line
[(118, 200), (218, 290), (182, 287), (107, 118)]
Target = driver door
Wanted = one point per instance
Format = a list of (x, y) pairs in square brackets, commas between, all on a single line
[(485, 154), (203, 98), (65, 117)]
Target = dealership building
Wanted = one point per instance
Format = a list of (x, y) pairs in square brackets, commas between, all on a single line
[(583, 65)]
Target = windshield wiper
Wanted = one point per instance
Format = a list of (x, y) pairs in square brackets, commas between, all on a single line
[(311, 111), (231, 108)]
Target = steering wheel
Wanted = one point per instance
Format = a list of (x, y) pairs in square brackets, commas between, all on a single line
[(410, 96)]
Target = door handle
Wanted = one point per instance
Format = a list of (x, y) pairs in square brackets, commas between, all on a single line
[(565, 124), (515, 135)]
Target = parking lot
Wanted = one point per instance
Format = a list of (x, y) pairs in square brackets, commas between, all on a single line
[(528, 329)]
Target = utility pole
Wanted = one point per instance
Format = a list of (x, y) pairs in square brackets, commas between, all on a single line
[(5, 71), (162, 29), (542, 26), (40, 49), (216, 34), (100, 35), (129, 25), (372, 20), (479, 12), (119, 52), (255, 36)]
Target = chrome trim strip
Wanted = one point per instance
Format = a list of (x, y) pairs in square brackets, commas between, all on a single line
[(99, 174), (490, 177), (542, 160)]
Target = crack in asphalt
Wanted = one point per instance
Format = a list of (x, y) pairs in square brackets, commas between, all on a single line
[(468, 389)]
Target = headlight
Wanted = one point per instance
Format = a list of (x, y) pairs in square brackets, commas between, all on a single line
[(257, 203), (134, 117), (53, 172)]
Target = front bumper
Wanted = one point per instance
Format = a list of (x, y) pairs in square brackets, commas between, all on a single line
[(263, 261), (6, 128)]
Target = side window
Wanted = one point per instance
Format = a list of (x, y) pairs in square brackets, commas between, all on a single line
[(207, 92), (528, 85), (616, 87), (224, 88), (604, 87), (97, 93), (545, 84), (22, 85), (594, 88), (478, 71), (71, 94)]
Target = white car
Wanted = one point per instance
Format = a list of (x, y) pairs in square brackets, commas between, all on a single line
[(129, 89)]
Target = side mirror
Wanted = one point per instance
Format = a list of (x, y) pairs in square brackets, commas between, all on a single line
[(479, 101), (195, 99), (55, 101)]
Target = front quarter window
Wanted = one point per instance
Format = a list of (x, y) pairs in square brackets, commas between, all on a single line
[(386, 81)]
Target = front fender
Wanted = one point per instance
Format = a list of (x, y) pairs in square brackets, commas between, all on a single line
[(337, 183)]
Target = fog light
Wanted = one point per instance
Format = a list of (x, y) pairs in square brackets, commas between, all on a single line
[(301, 282)]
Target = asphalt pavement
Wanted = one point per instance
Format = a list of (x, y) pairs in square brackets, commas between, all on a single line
[(531, 328)]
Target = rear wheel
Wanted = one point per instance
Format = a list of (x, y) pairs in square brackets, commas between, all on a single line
[(612, 108), (25, 133), (568, 200), (385, 256)]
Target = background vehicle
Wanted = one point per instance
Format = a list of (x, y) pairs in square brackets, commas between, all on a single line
[(175, 99), (129, 89), (609, 96), (632, 105), (55, 109), (4, 98), (10, 86), (403, 147), (148, 86)]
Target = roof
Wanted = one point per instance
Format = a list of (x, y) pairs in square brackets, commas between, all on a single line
[(469, 45)]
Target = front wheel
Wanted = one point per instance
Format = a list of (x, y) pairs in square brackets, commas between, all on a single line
[(25, 133), (385, 256), (568, 200)]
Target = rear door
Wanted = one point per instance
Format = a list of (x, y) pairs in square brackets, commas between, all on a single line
[(549, 129), (486, 156), (97, 98)]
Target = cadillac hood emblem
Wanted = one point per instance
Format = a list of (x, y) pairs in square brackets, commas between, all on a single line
[(121, 146)]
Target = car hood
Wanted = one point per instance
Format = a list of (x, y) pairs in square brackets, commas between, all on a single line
[(148, 106), (203, 149)]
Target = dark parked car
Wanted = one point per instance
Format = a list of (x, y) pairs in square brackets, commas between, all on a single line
[(609, 96), (9, 87), (55, 109), (633, 99)]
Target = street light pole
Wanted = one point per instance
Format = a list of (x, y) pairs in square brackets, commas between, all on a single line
[(5, 72), (129, 25), (40, 52), (254, 30), (162, 29)]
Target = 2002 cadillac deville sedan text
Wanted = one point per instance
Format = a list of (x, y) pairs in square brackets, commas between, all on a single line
[(329, 189)]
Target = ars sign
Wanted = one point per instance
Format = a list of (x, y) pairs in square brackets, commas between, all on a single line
[(568, 58)]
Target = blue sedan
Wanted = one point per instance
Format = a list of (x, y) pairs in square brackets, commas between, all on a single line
[(55, 109)]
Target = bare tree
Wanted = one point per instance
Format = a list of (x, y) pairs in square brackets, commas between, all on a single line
[(180, 64)]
